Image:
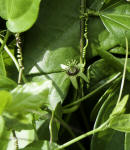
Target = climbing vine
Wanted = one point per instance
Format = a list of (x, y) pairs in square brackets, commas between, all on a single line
[(64, 74)]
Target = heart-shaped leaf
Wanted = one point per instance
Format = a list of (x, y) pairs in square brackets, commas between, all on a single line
[(20, 14)]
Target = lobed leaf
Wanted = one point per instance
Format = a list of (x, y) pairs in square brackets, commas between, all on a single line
[(116, 19)]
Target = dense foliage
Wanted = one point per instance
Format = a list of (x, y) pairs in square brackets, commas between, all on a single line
[(64, 74)]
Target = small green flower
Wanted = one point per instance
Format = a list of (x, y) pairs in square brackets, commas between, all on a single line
[(73, 70)]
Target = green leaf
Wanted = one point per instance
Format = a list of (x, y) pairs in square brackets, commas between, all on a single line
[(118, 63), (53, 40), (120, 107), (99, 73), (41, 145), (97, 4), (20, 15), (5, 100), (100, 102), (59, 90), (74, 82), (5, 139), (108, 139), (3, 10), (127, 141), (116, 20), (2, 124), (6, 83), (19, 123), (24, 137), (30, 96), (118, 50), (2, 66), (99, 37), (120, 123)]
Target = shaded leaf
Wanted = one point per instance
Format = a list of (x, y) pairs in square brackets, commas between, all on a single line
[(116, 20), (53, 40), (108, 139), (127, 141), (97, 4), (20, 123), (100, 102), (99, 37), (98, 73)]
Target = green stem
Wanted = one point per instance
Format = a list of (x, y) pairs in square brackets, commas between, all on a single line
[(93, 92), (70, 110), (91, 12), (34, 127), (99, 129), (13, 58), (16, 140), (50, 127), (66, 126), (4, 41), (1, 57), (82, 25), (85, 120), (124, 73), (10, 54)]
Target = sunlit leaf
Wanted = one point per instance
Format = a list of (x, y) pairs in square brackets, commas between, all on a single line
[(41, 145), (30, 96), (121, 123), (6, 83), (120, 108), (5, 99), (1, 125), (20, 15)]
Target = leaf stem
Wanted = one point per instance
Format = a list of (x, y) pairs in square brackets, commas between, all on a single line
[(93, 92), (50, 126), (82, 25), (91, 12), (5, 40), (67, 127), (16, 140), (1, 48), (99, 129), (124, 73), (34, 127)]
